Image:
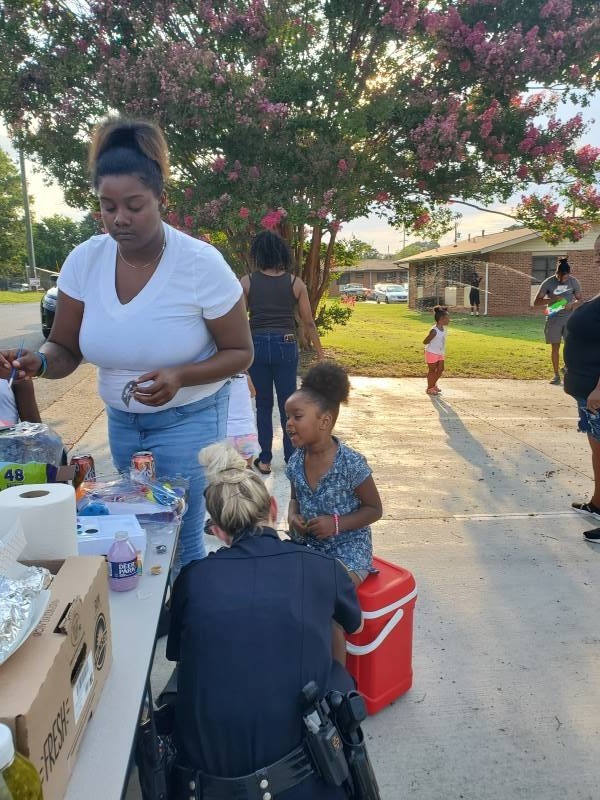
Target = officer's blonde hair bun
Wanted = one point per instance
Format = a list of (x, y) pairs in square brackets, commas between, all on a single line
[(236, 498)]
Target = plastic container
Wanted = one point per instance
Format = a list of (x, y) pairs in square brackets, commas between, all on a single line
[(380, 656), (20, 776), (122, 564), (4, 792)]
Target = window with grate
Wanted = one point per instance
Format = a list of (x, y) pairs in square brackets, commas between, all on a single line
[(421, 272), (542, 267)]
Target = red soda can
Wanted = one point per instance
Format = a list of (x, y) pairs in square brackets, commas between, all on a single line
[(85, 469), (143, 463)]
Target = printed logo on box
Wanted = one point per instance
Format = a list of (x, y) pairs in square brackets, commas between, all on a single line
[(100, 641), (55, 739)]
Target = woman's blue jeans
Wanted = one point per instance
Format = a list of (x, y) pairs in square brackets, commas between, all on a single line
[(174, 436), (275, 363)]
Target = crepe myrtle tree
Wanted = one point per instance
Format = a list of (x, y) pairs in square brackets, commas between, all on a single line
[(301, 116)]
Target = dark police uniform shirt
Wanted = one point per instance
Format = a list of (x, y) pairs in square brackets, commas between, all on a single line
[(251, 626), (582, 349)]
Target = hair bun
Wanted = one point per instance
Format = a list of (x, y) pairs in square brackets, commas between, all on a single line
[(329, 380), (222, 464), (123, 136)]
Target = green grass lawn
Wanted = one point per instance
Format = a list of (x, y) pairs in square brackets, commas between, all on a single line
[(20, 297), (387, 341)]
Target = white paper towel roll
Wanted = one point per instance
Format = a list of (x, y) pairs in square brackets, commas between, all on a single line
[(48, 516)]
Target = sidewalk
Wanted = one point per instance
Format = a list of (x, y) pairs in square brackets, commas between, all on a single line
[(477, 490)]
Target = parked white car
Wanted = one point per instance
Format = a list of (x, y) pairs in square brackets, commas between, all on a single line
[(390, 293)]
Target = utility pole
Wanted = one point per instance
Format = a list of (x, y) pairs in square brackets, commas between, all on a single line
[(28, 229)]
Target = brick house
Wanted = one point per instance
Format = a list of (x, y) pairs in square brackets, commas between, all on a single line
[(369, 272), (512, 265)]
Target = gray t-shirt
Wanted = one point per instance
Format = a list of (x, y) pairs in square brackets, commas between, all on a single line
[(568, 290)]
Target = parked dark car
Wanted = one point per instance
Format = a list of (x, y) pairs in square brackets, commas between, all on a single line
[(47, 309), (354, 290)]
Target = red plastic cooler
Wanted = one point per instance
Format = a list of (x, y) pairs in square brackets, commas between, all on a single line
[(380, 656)]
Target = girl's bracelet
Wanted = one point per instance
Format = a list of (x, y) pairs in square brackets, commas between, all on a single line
[(43, 366), (336, 519)]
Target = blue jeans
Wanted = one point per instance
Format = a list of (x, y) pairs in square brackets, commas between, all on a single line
[(175, 436), (275, 362)]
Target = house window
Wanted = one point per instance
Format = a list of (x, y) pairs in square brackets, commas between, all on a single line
[(542, 267), (421, 272)]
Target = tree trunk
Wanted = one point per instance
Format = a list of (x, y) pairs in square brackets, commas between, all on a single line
[(312, 268), (324, 283)]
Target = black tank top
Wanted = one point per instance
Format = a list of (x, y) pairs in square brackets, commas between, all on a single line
[(271, 302)]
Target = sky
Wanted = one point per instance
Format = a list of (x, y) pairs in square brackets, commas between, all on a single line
[(49, 200)]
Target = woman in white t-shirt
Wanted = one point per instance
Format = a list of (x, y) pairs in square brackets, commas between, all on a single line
[(435, 349), (159, 312)]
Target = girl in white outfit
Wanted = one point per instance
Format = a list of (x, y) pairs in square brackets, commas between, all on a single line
[(241, 422), (435, 349)]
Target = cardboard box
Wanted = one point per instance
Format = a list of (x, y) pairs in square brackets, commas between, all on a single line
[(50, 687)]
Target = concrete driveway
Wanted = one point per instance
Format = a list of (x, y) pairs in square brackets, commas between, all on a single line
[(477, 488)]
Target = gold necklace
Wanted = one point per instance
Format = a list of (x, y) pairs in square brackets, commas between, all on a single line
[(142, 266)]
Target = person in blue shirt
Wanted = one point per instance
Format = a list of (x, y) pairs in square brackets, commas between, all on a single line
[(250, 627)]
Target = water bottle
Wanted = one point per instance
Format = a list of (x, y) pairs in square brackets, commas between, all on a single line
[(19, 776), (122, 564)]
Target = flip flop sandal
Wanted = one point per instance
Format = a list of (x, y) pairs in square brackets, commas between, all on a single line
[(264, 469)]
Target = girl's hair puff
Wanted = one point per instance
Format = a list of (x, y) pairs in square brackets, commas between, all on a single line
[(327, 385), (270, 251), (129, 147), (236, 498), (439, 312)]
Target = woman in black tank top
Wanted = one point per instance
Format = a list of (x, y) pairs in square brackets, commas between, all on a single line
[(272, 297)]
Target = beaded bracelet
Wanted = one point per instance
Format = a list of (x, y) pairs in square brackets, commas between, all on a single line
[(336, 519), (43, 366)]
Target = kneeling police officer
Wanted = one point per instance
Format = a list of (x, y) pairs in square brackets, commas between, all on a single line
[(262, 711)]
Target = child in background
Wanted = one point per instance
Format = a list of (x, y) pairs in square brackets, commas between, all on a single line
[(333, 496), (241, 423), (18, 403), (435, 349)]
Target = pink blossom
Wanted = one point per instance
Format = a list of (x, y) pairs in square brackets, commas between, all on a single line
[(423, 219), (189, 193), (173, 219), (336, 226), (465, 65), (382, 197), (218, 165), (188, 221), (233, 176), (342, 165), (272, 219), (254, 173), (244, 212), (587, 157), (523, 172)]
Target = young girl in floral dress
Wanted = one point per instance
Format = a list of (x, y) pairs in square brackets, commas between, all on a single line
[(334, 499)]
